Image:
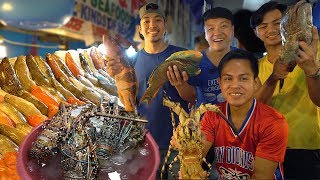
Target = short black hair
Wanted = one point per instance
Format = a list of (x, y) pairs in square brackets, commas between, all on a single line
[(257, 17), (243, 55), (217, 12), (244, 33)]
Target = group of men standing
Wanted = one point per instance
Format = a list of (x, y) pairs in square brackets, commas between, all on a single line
[(288, 131)]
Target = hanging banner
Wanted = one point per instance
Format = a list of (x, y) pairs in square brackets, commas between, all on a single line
[(93, 18)]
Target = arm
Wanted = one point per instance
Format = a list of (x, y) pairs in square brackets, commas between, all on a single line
[(206, 147), (263, 168), (308, 61), (266, 90), (271, 146), (179, 81), (314, 89)]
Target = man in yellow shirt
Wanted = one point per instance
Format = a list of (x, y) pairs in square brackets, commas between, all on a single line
[(299, 98)]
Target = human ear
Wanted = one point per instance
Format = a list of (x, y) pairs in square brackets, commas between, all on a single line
[(257, 83), (256, 32)]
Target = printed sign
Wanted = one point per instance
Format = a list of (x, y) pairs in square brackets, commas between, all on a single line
[(93, 18)]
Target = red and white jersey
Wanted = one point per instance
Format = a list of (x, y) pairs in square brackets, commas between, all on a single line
[(264, 133)]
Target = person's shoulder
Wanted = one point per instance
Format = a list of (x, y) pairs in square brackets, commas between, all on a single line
[(232, 48), (176, 48), (269, 113), (263, 58), (319, 50)]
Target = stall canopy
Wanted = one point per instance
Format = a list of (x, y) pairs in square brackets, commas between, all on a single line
[(93, 18)]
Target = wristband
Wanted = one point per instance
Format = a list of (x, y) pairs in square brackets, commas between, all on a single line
[(315, 76)]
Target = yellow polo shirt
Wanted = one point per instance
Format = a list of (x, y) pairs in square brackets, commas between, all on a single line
[(294, 103)]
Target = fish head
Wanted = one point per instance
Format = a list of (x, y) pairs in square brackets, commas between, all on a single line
[(192, 70), (112, 48), (192, 56)]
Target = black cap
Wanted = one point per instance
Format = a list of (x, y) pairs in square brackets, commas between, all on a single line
[(217, 12), (151, 8)]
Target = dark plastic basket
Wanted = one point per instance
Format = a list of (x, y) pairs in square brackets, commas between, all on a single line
[(149, 170)]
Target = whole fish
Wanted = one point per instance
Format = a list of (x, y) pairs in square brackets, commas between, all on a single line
[(97, 59), (35, 101), (36, 74), (44, 68), (22, 105), (88, 92), (8, 78), (6, 145), (14, 134), (89, 60), (61, 64), (187, 61), (104, 73), (71, 59), (12, 112), (104, 83), (87, 71), (23, 74), (84, 64)]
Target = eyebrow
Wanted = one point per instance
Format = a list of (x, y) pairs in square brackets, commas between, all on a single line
[(263, 23), (148, 17), (226, 74), (224, 21)]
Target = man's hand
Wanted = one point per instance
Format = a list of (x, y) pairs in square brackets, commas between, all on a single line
[(175, 77), (307, 55), (280, 70), (114, 67)]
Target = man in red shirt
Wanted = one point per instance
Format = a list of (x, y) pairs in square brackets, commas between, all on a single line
[(257, 148)]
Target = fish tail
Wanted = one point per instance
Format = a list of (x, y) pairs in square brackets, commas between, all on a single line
[(145, 98), (149, 94)]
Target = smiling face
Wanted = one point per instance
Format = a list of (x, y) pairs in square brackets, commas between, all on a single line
[(237, 83), (269, 29), (218, 33), (152, 27)]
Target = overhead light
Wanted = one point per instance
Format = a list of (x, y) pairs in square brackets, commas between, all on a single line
[(131, 52), (6, 6), (102, 49), (3, 51)]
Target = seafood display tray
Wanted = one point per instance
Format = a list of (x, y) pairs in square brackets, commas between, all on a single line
[(149, 171)]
